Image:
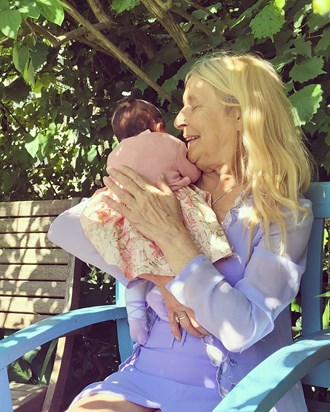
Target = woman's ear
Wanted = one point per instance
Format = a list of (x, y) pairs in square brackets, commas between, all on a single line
[(239, 120)]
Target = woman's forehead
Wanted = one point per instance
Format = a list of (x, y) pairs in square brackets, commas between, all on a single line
[(196, 89)]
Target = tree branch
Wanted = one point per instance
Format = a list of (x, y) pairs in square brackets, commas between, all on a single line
[(166, 6), (192, 19), (199, 7), (45, 33), (81, 31), (6, 108), (114, 50), (99, 12), (168, 22)]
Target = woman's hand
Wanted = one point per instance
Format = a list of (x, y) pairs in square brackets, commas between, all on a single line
[(179, 316), (154, 212)]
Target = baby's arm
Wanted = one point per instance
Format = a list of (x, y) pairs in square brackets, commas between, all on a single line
[(185, 167)]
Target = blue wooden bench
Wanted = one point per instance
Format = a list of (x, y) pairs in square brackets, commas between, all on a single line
[(307, 358)]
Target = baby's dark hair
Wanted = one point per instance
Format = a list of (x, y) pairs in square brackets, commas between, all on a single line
[(133, 116)]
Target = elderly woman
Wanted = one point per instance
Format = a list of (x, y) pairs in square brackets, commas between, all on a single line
[(213, 323)]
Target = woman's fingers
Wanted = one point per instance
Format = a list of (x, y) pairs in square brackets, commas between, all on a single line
[(186, 320), (126, 197), (163, 186), (175, 327), (181, 317), (129, 179)]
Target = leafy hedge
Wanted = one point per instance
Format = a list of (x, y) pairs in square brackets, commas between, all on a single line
[(65, 64)]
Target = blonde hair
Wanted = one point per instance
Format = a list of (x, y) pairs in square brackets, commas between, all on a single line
[(271, 156)]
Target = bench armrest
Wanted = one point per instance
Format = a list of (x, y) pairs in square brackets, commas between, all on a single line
[(16, 345), (266, 384)]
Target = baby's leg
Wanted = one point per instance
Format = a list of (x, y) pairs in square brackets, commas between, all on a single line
[(136, 312)]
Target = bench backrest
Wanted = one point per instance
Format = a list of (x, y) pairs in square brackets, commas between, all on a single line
[(37, 279), (312, 280)]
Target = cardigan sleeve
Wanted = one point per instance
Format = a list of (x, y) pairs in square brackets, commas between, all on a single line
[(242, 314), (67, 233)]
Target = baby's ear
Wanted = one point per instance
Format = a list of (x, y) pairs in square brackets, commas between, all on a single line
[(160, 127)]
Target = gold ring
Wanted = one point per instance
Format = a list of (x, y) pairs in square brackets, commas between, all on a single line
[(178, 318)]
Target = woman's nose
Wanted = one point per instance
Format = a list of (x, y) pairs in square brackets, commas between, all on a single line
[(180, 121)]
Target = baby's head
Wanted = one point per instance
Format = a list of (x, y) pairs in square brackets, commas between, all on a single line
[(133, 116)]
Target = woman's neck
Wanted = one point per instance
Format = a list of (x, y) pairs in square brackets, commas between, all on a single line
[(224, 188), (218, 181)]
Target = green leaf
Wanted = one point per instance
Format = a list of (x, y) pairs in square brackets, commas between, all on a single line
[(101, 122), (30, 40), (267, 22), (321, 6), (279, 4), (300, 15), (51, 10), (92, 153), (324, 42), (32, 147), (66, 108), (4, 4), (21, 57), (308, 69), (39, 55), (46, 142), (302, 47), (10, 21), (49, 354), (171, 84), (28, 73), (305, 102), (17, 91), (9, 179), (20, 371), (30, 356), (29, 9), (315, 22), (154, 71), (122, 5)]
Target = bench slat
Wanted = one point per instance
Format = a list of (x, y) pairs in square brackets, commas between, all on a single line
[(35, 207), (31, 305), (33, 256), (19, 320), (25, 224), (33, 272), (28, 288), (25, 240)]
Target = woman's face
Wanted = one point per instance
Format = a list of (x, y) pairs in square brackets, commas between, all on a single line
[(206, 125)]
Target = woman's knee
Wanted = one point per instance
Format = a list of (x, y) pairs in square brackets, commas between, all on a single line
[(104, 402)]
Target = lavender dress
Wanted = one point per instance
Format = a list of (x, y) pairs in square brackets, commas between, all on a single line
[(242, 301)]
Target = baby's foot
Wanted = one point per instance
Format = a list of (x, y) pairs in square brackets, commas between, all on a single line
[(137, 320), (138, 330)]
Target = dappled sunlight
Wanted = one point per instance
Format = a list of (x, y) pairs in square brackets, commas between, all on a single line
[(246, 212)]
